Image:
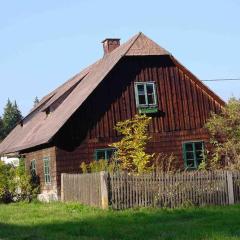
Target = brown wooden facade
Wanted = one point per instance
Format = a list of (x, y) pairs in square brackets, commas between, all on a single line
[(183, 105)]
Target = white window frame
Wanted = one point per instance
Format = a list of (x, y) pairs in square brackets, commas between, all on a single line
[(145, 94)]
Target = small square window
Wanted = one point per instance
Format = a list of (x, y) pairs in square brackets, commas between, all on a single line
[(145, 93), (104, 154), (193, 154)]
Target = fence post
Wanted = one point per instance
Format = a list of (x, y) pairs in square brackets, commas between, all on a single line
[(230, 187), (62, 190), (104, 189)]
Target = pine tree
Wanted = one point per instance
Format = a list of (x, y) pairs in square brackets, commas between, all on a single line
[(11, 116), (36, 101), (1, 129)]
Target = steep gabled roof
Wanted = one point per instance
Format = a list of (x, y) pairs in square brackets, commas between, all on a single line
[(39, 128)]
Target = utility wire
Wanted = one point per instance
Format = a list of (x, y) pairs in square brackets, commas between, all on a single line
[(220, 79)]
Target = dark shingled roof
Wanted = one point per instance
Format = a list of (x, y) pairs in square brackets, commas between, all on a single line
[(39, 128)]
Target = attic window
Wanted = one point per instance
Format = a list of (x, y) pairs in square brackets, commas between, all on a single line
[(146, 99)]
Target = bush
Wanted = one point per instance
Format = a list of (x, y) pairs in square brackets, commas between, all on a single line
[(6, 185), (224, 129), (98, 166), (16, 184)]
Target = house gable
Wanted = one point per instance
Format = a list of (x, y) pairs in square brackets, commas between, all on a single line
[(183, 105)]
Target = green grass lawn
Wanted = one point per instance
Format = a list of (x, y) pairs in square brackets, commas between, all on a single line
[(73, 221)]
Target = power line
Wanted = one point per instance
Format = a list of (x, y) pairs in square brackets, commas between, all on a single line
[(221, 79)]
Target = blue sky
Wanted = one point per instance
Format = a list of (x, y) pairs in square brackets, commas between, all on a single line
[(44, 43)]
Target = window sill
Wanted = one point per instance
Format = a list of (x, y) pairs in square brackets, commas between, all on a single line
[(146, 110)]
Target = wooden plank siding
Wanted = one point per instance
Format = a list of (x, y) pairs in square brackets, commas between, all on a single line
[(186, 105)]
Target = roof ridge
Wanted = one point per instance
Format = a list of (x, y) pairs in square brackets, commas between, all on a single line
[(137, 36)]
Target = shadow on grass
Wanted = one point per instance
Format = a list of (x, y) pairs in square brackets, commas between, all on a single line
[(142, 224)]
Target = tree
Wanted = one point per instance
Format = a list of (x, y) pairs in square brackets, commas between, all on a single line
[(224, 129), (130, 150), (11, 116), (36, 101), (1, 129)]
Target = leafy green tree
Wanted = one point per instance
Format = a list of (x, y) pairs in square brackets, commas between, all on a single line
[(11, 116), (224, 129), (130, 150)]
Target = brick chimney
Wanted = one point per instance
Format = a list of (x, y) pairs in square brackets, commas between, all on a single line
[(109, 44)]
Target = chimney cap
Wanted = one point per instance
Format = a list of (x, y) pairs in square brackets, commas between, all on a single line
[(111, 39)]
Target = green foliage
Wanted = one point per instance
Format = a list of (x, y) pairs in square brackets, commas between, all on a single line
[(1, 129), (84, 167), (11, 117), (6, 185), (224, 129), (26, 183), (98, 166), (131, 148), (16, 184)]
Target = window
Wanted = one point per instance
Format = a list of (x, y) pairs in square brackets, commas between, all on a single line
[(145, 93), (46, 166), (193, 154), (33, 167), (105, 153)]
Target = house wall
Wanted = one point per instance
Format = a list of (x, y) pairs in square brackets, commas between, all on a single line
[(38, 155), (182, 104), (183, 109)]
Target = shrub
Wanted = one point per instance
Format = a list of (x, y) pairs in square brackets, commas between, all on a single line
[(16, 183), (224, 129), (98, 166), (130, 152), (166, 163), (6, 185)]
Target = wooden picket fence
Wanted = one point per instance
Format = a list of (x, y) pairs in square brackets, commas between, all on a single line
[(83, 188), (122, 190)]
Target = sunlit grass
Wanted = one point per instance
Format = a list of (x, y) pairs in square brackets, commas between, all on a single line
[(74, 221)]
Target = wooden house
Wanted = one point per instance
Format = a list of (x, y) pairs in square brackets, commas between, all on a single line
[(75, 122)]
